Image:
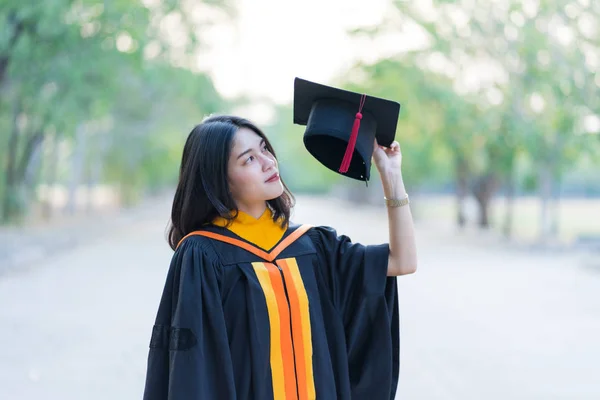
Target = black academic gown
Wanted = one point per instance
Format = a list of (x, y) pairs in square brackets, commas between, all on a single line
[(314, 317)]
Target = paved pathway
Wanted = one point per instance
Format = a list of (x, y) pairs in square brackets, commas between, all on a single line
[(477, 322)]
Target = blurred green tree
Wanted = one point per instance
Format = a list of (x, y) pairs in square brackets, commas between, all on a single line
[(510, 81), (95, 91)]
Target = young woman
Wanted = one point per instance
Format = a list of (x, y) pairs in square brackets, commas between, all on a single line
[(257, 307)]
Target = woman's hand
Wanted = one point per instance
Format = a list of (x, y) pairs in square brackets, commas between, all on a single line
[(388, 160)]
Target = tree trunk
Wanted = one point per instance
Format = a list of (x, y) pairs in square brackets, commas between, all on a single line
[(462, 175), (553, 185), (483, 190), (555, 210), (10, 194), (483, 212), (31, 148), (15, 33), (96, 166), (29, 170), (545, 193), (91, 181), (510, 208), (77, 166), (51, 174), (510, 201)]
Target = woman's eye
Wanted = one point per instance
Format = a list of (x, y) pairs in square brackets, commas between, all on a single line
[(265, 148), (249, 159)]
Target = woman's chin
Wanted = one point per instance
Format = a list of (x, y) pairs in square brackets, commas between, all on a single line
[(274, 193)]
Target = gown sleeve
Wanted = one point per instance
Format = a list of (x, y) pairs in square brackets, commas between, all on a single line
[(367, 302), (189, 354)]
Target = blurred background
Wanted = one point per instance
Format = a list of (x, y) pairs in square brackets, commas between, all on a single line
[(500, 135)]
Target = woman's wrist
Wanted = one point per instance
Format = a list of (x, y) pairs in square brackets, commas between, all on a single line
[(393, 185)]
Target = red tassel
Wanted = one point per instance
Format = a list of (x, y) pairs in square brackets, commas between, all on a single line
[(351, 144), (352, 141)]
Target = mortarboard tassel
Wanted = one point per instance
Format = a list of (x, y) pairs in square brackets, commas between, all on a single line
[(353, 135)]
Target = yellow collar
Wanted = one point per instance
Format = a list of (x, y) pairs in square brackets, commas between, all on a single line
[(262, 232)]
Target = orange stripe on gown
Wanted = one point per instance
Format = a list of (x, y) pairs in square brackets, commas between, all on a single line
[(275, 356), (287, 351), (301, 328)]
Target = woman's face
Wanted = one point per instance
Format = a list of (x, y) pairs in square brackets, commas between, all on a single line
[(252, 171)]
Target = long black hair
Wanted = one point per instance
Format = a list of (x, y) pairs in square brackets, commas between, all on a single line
[(202, 193)]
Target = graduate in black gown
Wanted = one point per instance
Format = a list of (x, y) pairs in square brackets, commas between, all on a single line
[(257, 307)]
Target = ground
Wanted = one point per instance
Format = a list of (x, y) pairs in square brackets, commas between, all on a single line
[(480, 319)]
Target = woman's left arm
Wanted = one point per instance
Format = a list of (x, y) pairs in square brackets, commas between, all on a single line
[(403, 249)]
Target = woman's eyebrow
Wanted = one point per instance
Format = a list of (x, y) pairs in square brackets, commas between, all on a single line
[(249, 150)]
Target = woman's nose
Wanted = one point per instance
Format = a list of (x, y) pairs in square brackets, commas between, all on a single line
[(268, 162)]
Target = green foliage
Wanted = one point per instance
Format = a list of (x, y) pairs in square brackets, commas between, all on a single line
[(545, 59), (81, 72)]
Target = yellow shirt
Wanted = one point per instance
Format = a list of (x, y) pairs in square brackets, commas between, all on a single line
[(263, 232)]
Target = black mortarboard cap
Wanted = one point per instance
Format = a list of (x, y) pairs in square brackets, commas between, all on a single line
[(342, 125)]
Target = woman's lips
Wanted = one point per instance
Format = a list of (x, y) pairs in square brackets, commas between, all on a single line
[(273, 178)]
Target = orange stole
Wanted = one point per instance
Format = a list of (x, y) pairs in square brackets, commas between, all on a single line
[(289, 319)]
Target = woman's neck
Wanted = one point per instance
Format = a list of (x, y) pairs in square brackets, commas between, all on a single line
[(256, 210)]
